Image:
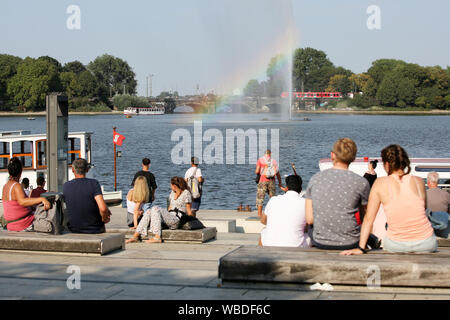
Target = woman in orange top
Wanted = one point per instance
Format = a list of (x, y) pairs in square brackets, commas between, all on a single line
[(403, 199)]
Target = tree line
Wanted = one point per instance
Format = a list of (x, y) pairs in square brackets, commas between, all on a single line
[(24, 83), (387, 83)]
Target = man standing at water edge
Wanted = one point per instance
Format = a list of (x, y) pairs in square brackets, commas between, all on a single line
[(194, 179), (149, 176), (266, 169), (86, 207)]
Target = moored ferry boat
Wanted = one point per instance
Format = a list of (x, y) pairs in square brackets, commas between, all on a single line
[(31, 148), (420, 167), (144, 111)]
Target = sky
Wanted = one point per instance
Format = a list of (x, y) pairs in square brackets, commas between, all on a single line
[(218, 45)]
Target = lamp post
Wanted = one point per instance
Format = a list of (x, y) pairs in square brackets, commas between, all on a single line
[(150, 76)]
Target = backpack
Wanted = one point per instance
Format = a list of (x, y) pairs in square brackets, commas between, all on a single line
[(195, 186), (52, 220), (270, 170)]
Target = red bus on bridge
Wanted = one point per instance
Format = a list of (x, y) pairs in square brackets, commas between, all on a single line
[(327, 95)]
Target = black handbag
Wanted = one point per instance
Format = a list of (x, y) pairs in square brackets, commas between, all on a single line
[(187, 222), (258, 176)]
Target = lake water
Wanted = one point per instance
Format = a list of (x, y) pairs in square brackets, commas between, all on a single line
[(301, 142)]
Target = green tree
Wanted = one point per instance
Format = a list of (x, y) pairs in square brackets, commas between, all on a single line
[(74, 66), (339, 83), (253, 89), (53, 61), (312, 68), (34, 80), (123, 101), (8, 68), (359, 82), (114, 73)]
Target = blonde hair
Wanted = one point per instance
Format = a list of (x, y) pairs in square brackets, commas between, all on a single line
[(140, 191), (345, 150)]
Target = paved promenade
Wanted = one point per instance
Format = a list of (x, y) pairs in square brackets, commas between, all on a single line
[(164, 271)]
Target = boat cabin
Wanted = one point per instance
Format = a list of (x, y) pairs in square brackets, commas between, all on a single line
[(420, 167), (31, 149)]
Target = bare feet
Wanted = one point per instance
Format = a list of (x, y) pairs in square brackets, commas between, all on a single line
[(134, 239), (154, 240)]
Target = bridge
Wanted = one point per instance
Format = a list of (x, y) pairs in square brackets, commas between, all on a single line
[(221, 104)]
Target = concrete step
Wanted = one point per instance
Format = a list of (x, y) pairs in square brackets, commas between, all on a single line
[(68, 242), (294, 265)]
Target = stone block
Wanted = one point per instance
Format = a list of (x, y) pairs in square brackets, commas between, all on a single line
[(67, 242), (294, 265), (189, 236), (222, 225)]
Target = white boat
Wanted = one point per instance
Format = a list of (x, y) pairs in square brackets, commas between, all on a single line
[(144, 111), (420, 167), (31, 149)]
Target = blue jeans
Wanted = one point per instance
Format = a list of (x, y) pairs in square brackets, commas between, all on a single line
[(420, 246)]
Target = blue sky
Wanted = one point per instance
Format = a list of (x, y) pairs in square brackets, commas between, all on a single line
[(221, 44)]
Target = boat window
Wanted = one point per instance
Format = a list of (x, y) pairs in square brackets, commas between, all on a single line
[(432, 168), (4, 155), (24, 151), (40, 153), (74, 151)]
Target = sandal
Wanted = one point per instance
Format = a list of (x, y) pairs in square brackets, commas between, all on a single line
[(154, 240)]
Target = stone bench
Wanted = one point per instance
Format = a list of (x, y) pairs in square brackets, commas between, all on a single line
[(68, 242), (188, 236), (294, 265), (443, 242)]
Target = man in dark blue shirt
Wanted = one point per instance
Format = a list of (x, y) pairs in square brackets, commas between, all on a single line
[(86, 207)]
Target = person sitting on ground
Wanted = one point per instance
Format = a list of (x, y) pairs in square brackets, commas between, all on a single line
[(403, 199), (284, 216), (16, 206), (438, 200), (26, 186), (36, 193), (87, 210), (137, 202), (151, 182), (180, 200), (333, 197), (195, 173)]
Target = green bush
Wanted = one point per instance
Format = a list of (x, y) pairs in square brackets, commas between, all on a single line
[(363, 101), (123, 101), (99, 107)]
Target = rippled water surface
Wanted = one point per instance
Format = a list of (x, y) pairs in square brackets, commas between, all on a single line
[(301, 142)]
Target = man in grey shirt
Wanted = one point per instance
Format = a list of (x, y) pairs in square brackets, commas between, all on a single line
[(438, 200), (333, 197)]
